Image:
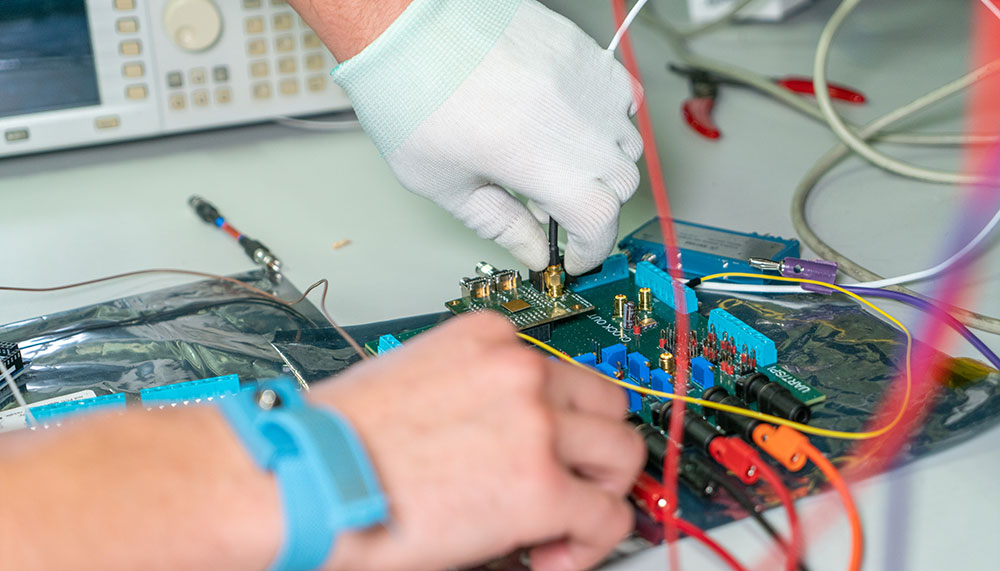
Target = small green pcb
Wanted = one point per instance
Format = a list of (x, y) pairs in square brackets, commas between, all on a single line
[(525, 306)]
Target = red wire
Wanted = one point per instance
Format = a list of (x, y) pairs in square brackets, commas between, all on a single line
[(699, 534), (673, 263), (795, 545)]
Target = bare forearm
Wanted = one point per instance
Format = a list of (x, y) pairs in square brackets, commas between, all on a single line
[(347, 26), (166, 489)]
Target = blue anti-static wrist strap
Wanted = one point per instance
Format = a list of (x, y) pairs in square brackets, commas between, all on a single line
[(325, 480)]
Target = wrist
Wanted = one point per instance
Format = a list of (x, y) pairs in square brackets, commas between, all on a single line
[(326, 482), (348, 26)]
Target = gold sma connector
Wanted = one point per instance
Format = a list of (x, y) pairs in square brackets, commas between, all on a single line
[(667, 363), (552, 281), (620, 301)]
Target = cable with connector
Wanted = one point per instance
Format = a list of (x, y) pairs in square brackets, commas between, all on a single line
[(792, 449)]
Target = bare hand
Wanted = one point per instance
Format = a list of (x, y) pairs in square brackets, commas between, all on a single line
[(483, 445)]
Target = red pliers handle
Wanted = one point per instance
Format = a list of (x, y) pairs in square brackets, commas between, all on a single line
[(697, 110), (804, 86)]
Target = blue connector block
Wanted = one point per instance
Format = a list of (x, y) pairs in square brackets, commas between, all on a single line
[(387, 343), (660, 380), (634, 400), (614, 356), (59, 411), (648, 275), (588, 359), (702, 373), (607, 370), (614, 268), (191, 391), (742, 334), (638, 367)]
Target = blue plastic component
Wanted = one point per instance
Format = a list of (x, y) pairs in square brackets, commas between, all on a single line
[(614, 268), (742, 334), (662, 381), (638, 367), (708, 250), (614, 356), (588, 359), (387, 343), (702, 373), (634, 400), (648, 275), (191, 391), (61, 410)]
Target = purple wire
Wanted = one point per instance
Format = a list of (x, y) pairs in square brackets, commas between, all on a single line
[(931, 308)]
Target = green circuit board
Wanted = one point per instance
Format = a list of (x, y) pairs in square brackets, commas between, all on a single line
[(591, 325)]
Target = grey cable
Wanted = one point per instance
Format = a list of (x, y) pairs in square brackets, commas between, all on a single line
[(841, 151), (848, 136)]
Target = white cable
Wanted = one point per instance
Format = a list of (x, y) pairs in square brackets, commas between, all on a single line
[(845, 134), (992, 7), (613, 46), (5, 374), (943, 266), (308, 125)]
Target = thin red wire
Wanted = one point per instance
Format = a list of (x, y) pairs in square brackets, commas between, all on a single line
[(673, 263), (700, 535), (795, 529)]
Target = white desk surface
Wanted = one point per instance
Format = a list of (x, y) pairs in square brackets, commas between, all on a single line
[(79, 214)]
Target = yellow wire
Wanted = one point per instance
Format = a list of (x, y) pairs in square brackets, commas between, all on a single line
[(751, 413)]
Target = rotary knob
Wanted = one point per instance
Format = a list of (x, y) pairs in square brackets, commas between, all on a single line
[(194, 25)]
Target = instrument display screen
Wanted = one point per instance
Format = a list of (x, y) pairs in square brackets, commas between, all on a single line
[(46, 57)]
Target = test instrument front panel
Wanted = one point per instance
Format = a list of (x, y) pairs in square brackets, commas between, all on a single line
[(83, 72)]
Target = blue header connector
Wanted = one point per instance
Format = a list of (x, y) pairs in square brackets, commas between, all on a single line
[(742, 334), (190, 392), (388, 343), (57, 412), (615, 268), (648, 275)]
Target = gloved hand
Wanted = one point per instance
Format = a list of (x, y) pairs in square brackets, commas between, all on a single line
[(470, 99)]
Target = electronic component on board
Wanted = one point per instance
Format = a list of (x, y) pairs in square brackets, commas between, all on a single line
[(702, 372), (772, 398), (668, 363), (614, 269), (645, 299), (638, 367), (628, 315), (619, 308), (742, 335), (190, 392), (663, 287), (553, 281), (730, 423), (53, 414), (11, 357), (479, 289), (387, 343)]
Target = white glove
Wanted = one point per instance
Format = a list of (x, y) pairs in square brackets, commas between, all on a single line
[(470, 99)]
